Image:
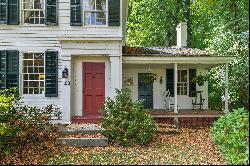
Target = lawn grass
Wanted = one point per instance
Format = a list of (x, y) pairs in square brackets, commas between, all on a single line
[(169, 147)]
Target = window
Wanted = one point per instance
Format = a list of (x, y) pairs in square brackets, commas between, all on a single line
[(95, 12), (33, 73), (33, 11), (182, 84)]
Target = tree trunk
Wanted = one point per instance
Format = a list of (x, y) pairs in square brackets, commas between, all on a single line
[(188, 20), (234, 21)]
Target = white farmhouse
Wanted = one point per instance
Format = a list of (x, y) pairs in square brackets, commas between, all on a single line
[(72, 54)]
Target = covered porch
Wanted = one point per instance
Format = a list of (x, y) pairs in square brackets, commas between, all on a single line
[(181, 63)]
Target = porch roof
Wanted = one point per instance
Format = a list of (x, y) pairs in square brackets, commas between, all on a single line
[(134, 55), (163, 52)]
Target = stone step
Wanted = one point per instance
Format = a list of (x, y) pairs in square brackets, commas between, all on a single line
[(80, 131), (83, 142)]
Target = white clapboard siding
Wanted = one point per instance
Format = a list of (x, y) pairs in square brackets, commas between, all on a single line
[(67, 40)]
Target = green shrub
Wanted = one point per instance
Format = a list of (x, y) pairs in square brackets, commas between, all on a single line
[(125, 122), (231, 133), (20, 125)]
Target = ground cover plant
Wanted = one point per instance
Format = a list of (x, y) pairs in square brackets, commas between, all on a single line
[(231, 132), (26, 134)]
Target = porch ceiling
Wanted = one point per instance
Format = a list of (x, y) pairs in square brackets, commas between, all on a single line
[(195, 62)]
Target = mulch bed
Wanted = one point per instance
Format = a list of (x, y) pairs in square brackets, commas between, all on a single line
[(170, 146)]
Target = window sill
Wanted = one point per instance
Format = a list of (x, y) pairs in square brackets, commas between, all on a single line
[(33, 25), (34, 96), (95, 26)]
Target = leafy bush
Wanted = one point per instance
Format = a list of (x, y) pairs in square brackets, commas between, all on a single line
[(20, 125), (231, 132), (125, 122)]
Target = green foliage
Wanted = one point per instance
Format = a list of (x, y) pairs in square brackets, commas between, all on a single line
[(151, 22), (226, 43), (201, 79), (231, 132), (125, 122), (22, 124), (149, 77)]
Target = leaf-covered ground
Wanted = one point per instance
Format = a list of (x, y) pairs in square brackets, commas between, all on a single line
[(170, 146)]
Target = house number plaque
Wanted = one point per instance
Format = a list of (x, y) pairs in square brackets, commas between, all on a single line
[(67, 83)]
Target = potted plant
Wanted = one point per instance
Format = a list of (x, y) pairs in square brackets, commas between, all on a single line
[(200, 79), (149, 77)]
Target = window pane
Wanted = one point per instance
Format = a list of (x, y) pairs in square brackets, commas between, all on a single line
[(36, 69), (41, 84), (30, 70), (179, 76), (100, 15), (27, 56), (25, 70), (38, 4), (25, 90), (101, 5), (25, 84), (93, 18), (100, 21), (29, 62), (184, 76), (41, 91), (41, 69), (87, 18), (28, 4), (36, 90), (39, 62), (42, 21), (90, 4), (31, 91), (41, 13)]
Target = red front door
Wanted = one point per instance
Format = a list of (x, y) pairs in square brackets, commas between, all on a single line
[(93, 87)]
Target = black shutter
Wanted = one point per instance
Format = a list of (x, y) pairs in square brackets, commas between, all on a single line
[(51, 74), (3, 11), (170, 81), (192, 83), (12, 72), (3, 69), (9, 69), (13, 12), (114, 12), (75, 13), (51, 12)]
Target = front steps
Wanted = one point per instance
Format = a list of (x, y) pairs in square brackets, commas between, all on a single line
[(82, 135), (86, 119)]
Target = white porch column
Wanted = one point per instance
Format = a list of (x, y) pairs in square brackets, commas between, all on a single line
[(175, 88), (226, 89), (66, 90), (115, 75)]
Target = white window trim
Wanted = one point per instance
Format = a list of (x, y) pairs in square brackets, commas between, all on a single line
[(21, 19), (21, 76), (83, 15)]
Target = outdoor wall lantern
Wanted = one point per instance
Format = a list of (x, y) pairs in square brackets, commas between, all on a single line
[(161, 81), (65, 73)]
